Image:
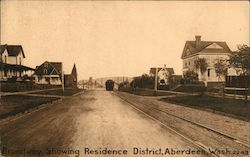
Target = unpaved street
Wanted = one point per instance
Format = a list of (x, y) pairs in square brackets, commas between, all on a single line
[(89, 125)]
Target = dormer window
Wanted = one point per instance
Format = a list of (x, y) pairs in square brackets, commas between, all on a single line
[(5, 59), (20, 61)]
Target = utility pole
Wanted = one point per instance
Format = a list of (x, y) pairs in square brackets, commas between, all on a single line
[(62, 81), (156, 79)]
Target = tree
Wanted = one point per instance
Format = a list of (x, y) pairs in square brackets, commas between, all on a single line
[(221, 71), (240, 60), (201, 65), (144, 81)]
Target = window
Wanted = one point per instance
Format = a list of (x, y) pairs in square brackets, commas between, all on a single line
[(208, 72), (45, 71), (20, 61), (5, 59), (46, 65)]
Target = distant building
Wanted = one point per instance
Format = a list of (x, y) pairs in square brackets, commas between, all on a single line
[(211, 51), (49, 73), (11, 62), (70, 80), (164, 74)]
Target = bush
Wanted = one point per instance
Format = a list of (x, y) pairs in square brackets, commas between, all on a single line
[(191, 77), (191, 88), (144, 81), (12, 79)]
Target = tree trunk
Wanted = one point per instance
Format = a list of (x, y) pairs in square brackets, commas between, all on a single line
[(246, 88)]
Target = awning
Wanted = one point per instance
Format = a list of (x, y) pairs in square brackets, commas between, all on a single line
[(5, 66)]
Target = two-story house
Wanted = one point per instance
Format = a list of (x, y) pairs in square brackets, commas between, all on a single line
[(48, 73), (212, 51), (11, 61)]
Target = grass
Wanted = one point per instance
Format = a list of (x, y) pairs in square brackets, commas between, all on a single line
[(14, 104), (148, 92), (228, 106), (58, 92)]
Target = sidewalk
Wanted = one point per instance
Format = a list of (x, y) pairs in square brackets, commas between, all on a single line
[(234, 127)]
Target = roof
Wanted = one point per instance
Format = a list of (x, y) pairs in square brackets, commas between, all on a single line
[(57, 66), (153, 70), (191, 46), (13, 50), (54, 68), (14, 67)]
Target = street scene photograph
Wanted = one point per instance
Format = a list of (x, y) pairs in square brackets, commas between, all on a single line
[(124, 78)]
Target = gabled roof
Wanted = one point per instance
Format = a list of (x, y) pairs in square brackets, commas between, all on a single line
[(153, 70), (191, 47), (53, 68), (13, 50)]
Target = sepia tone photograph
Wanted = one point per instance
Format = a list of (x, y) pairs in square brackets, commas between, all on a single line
[(124, 78)]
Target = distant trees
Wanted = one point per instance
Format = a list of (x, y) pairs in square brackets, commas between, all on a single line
[(240, 61), (123, 85)]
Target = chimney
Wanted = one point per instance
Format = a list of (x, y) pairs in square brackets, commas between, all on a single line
[(197, 41)]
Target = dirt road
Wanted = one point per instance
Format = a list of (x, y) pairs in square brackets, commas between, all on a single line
[(96, 123)]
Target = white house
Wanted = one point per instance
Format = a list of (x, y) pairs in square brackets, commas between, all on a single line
[(49, 73), (212, 51), (164, 74), (11, 61)]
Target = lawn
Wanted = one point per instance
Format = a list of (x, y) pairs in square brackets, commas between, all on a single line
[(58, 92), (14, 104), (148, 92), (231, 107)]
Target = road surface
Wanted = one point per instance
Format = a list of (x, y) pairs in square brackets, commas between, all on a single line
[(96, 123)]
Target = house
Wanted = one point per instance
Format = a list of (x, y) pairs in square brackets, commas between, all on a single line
[(70, 80), (212, 51), (49, 73), (164, 74), (11, 62)]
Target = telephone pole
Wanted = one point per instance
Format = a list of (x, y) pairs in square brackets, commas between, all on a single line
[(156, 79)]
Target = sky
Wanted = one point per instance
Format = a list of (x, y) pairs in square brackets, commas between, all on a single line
[(124, 38)]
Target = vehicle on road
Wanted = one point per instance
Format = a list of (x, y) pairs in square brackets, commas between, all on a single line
[(109, 85)]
